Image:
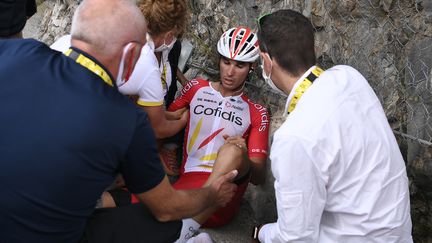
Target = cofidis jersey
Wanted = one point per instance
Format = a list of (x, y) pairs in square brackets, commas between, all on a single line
[(211, 117)]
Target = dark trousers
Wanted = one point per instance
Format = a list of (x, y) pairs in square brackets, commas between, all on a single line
[(131, 223)]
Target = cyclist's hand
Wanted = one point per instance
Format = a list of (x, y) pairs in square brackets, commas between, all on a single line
[(238, 140), (176, 115), (185, 116)]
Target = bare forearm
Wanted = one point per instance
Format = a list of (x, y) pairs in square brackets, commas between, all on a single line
[(189, 203), (167, 204), (161, 125), (168, 128), (258, 171), (176, 115), (171, 115), (180, 76), (258, 176)]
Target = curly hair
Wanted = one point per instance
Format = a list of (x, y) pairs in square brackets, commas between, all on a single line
[(165, 15)]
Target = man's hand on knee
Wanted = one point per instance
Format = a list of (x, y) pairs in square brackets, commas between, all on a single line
[(224, 188)]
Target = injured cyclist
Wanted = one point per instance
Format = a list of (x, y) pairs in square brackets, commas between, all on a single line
[(225, 131)]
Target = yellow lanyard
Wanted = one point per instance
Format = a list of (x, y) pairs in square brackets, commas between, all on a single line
[(163, 77), (90, 65), (303, 86)]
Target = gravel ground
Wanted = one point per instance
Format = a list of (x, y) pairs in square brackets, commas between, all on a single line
[(238, 231)]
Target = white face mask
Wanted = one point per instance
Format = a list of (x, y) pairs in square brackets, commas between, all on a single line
[(165, 47), (120, 81), (268, 79)]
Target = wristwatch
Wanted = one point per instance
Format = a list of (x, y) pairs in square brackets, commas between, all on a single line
[(255, 232)]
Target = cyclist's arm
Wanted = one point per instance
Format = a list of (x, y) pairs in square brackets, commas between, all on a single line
[(186, 96), (181, 78), (258, 145), (258, 170)]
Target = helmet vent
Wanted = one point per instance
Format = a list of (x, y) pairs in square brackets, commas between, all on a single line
[(240, 44)]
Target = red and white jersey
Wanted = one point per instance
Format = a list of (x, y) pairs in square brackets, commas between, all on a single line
[(211, 116)]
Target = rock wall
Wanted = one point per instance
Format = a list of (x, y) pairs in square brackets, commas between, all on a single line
[(388, 41)]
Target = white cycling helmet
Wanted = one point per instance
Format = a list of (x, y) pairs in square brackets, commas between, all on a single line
[(240, 44)]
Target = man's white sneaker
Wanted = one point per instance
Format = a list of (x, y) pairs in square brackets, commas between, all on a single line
[(200, 238)]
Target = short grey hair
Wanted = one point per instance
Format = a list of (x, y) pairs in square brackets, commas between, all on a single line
[(107, 25)]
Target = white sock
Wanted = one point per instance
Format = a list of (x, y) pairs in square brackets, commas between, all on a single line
[(188, 229)]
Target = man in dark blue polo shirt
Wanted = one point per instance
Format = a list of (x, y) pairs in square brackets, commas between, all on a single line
[(65, 131)]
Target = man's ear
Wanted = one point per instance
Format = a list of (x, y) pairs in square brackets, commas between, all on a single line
[(132, 55), (265, 56)]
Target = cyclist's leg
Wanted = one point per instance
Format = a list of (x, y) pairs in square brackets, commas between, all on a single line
[(229, 158)]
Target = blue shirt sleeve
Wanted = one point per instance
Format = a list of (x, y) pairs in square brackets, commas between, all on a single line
[(142, 169)]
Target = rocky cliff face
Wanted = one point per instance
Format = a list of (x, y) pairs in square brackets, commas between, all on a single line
[(388, 41)]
